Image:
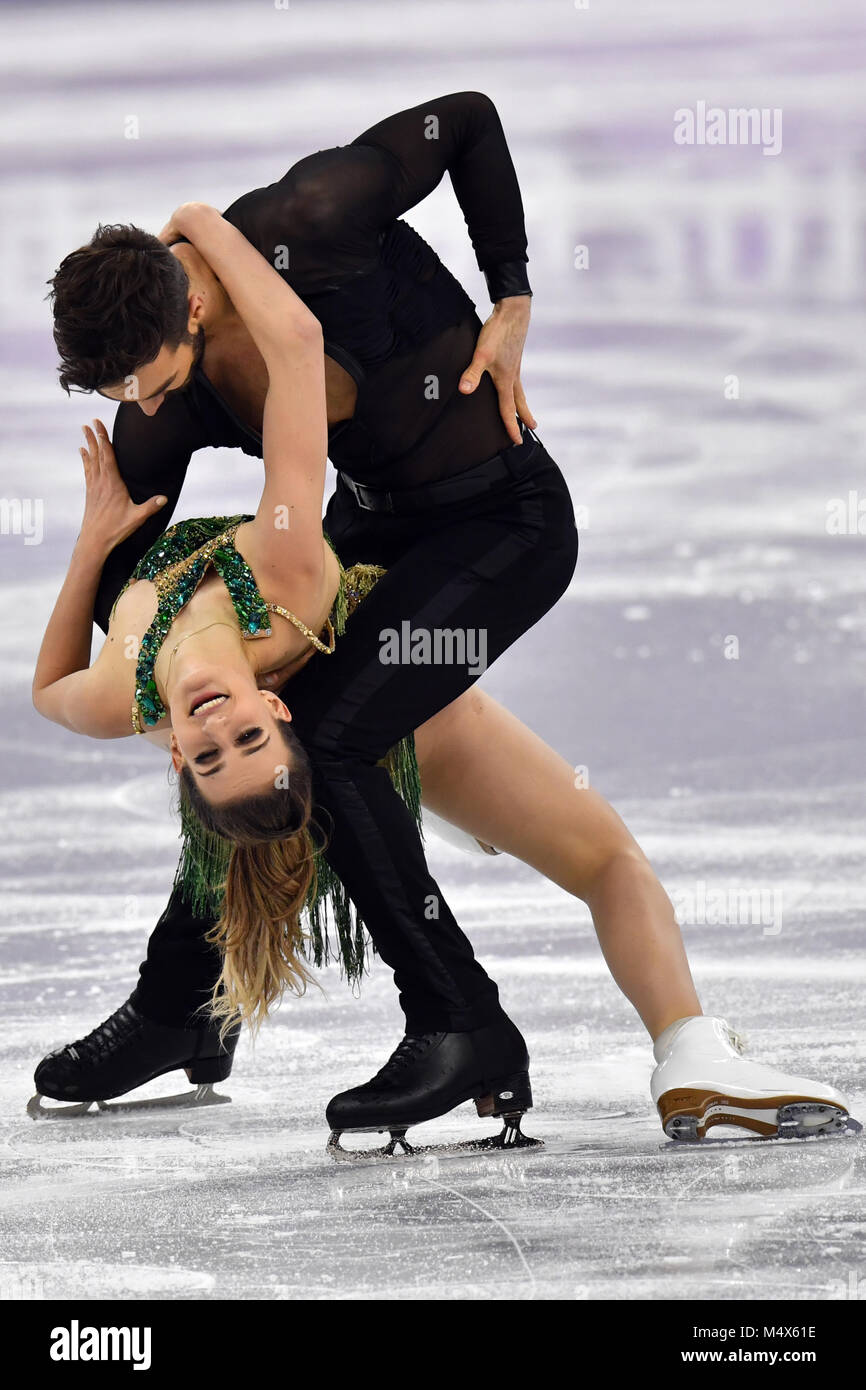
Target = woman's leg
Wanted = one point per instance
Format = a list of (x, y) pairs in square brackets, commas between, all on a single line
[(484, 771)]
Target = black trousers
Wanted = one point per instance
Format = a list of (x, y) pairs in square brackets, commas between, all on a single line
[(489, 568)]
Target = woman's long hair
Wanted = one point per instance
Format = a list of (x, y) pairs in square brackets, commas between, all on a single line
[(270, 871)]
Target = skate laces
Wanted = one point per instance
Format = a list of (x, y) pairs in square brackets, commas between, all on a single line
[(106, 1035), (738, 1040), (406, 1052)]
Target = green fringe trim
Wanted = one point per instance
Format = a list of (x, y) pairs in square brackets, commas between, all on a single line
[(328, 910), (401, 765), (203, 865), (356, 583), (340, 610)]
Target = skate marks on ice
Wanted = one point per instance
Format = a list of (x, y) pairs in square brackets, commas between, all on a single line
[(242, 1201), (260, 1178), (244, 1196)]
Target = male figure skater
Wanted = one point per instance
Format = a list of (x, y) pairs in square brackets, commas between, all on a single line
[(427, 422)]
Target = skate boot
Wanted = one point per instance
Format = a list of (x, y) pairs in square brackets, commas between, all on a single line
[(123, 1053), (431, 1073), (703, 1080)]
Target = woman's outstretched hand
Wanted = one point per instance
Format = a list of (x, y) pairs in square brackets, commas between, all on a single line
[(499, 351), (110, 515)]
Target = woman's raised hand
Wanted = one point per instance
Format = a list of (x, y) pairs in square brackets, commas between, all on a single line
[(110, 515)]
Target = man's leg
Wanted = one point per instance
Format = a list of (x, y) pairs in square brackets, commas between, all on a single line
[(483, 581), (181, 968), (467, 588)]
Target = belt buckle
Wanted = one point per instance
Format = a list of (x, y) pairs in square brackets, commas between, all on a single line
[(357, 491)]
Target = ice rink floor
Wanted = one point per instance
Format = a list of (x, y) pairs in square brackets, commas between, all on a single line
[(706, 511)]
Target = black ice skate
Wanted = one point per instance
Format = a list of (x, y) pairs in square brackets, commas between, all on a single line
[(122, 1054), (428, 1075)]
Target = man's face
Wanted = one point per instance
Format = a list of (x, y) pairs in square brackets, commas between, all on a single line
[(171, 370)]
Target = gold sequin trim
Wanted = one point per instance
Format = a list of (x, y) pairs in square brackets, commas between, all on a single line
[(320, 646)]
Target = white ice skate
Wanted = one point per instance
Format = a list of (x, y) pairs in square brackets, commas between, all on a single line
[(702, 1080)]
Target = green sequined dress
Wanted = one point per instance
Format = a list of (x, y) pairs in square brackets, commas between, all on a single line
[(176, 564)]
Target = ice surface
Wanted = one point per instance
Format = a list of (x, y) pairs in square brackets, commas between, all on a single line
[(703, 518)]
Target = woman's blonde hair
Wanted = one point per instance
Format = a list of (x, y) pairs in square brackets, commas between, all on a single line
[(270, 872)]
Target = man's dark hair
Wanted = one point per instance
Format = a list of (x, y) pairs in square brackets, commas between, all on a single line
[(116, 302)]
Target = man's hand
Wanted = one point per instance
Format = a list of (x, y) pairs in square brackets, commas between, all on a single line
[(110, 515), (498, 351)]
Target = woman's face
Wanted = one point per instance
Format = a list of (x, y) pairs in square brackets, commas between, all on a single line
[(226, 732)]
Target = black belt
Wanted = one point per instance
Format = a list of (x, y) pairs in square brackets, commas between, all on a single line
[(512, 462)]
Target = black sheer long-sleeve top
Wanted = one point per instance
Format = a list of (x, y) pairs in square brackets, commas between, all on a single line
[(392, 315)]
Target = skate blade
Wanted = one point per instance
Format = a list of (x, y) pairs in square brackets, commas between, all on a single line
[(184, 1100), (687, 1116), (739, 1138), (510, 1138)]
